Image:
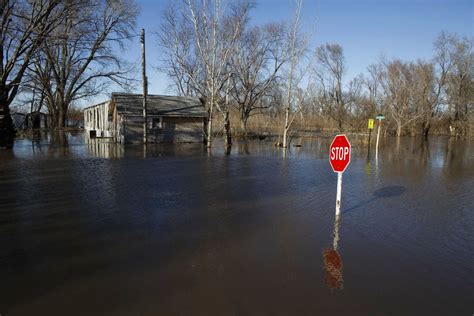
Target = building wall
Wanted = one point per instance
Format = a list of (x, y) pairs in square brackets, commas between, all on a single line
[(161, 129), (19, 120), (32, 120), (104, 119), (131, 129), (96, 118), (178, 130)]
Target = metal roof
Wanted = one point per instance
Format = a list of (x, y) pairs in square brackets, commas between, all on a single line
[(160, 105), (95, 105)]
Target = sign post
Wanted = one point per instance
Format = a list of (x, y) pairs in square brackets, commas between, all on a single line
[(379, 117), (370, 126), (339, 158), (338, 194)]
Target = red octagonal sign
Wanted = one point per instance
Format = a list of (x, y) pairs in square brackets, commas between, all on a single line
[(340, 153)]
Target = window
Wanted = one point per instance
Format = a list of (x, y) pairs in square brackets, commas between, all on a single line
[(158, 123)]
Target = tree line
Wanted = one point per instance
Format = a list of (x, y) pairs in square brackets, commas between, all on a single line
[(55, 52), (213, 51)]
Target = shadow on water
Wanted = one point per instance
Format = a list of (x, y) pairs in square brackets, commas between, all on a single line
[(385, 192), (389, 191), (332, 260)]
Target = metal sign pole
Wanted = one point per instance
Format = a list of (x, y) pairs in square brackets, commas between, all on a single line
[(368, 148), (370, 127), (338, 195), (378, 136), (379, 117)]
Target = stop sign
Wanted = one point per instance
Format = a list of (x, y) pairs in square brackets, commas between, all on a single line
[(340, 153)]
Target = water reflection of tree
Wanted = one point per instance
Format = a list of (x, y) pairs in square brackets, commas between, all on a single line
[(407, 154), (60, 142), (243, 148), (36, 140), (424, 151), (456, 156)]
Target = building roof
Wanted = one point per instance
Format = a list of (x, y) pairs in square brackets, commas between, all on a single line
[(160, 105), (96, 105)]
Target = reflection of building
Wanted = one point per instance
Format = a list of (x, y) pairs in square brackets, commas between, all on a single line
[(107, 148), (103, 148), (170, 119)]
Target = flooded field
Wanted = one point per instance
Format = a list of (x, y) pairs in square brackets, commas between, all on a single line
[(95, 229)]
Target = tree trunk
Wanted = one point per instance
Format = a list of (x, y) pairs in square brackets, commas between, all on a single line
[(228, 132), (397, 147), (426, 128), (399, 129), (452, 128), (61, 117), (209, 126), (243, 123), (60, 138), (7, 130), (287, 127)]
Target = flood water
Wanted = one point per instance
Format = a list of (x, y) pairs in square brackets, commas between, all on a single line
[(100, 229)]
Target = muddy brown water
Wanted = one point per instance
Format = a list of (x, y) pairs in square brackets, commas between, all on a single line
[(100, 229)]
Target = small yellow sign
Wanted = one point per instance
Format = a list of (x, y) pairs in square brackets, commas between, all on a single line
[(371, 123)]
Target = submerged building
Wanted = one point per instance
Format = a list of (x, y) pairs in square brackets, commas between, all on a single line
[(170, 119), (32, 120)]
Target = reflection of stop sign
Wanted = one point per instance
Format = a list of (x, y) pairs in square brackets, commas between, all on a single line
[(340, 153), (333, 269)]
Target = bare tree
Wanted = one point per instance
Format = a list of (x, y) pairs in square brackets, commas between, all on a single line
[(215, 38), (330, 69), (395, 81), (24, 26), (256, 63), (370, 99), (180, 61), (353, 100), (210, 53), (296, 48), (372, 86), (425, 94), (198, 40), (455, 60), (81, 57), (30, 99), (399, 85)]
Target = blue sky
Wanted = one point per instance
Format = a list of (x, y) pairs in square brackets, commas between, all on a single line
[(366, 29)]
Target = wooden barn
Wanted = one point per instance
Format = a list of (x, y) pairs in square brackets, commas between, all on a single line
[(170, 119)]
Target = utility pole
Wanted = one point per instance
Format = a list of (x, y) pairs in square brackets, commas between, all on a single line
[(145, 88)]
